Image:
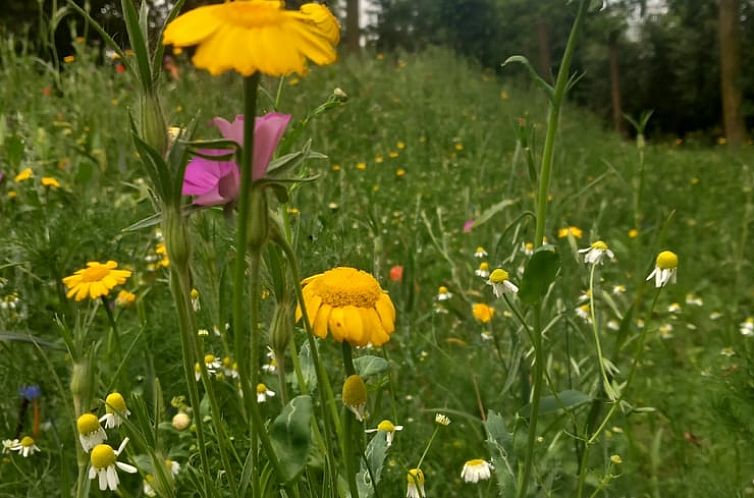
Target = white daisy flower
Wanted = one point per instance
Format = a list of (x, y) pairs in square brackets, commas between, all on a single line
[(666, 331), (665, 268), (694, 300), (443, 294), (25, 447), (90, 431), (173, 466), (500, 283), (747, 327), (483, 270), (585, 296), (115, 410), (263, 393), (104, 465), (596, 253), (8, 445), (619, 289), (415, 484), (147, 486), (613, 325), (480, 252), (442, 419), (230, 368), (674, 308), (584, 312), (388, 428), (476, 470), (195, 303), (527, 248), (715, 315)]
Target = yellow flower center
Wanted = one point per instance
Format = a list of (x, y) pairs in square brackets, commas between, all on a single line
[(415, 477), (27, 442), (87, 424), (252, 14), (261, 389), (95, 273), (484, 267), (498, 276), (345, 286), (442, 290), (599, 245), (354, 391), (102, 456), (227, 362), (667, 260), (480, 250), (476, 462), (209, 359), (115, 403), (386, 426)]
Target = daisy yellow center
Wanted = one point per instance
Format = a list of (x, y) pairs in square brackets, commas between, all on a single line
[(415, 477), (27, 441), (484, 266), (227, 362), (95, 273), (115, 402), (498, 276), (354, 391), (261, 389), (442, 290), (386, 426), (348, 287), (102, 456), (209, 358), (252, 14), (480, 250), (87, 424), (476, 462), (599, 245), (584, 308), (529, 246), (667, 260)]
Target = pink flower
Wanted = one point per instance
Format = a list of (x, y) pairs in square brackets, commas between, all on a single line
[(468, 225), (218, 182)]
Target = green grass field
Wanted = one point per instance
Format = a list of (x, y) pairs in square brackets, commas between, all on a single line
[(423, 144)]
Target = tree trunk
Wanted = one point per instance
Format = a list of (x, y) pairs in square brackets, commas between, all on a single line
[(545, 59), (730, 70), (352, 26), (615, 94)]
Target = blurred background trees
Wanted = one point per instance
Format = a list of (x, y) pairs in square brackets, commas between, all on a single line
[(691, 61)]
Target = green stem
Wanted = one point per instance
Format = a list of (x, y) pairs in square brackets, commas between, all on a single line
[(595, 332), (534, 409), (253, 363), (349, 454), (553, 117), (429, 445)]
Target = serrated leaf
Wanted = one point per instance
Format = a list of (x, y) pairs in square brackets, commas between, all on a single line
[(369, 365), (290, 434), (540, 272)]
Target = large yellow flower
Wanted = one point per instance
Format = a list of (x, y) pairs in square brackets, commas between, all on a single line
[(351, 305), (95, 281), (256, 35)]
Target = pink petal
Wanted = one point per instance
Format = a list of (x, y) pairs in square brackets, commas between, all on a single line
[(213, 182), (231, 131), (268, 130)]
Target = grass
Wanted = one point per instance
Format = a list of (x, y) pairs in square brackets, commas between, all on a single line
[(688, 429)]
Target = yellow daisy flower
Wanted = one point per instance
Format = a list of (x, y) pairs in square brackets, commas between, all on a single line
[(24, 175), (576, 232), (351, 305), (256, 35), (94, 281), (50, 182), (482, 312)]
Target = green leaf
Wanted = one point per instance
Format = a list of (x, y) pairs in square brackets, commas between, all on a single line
[(374, 460), (14, 150), (138, 43), (566, 400), (532, 72), (492, 211), (500, 444), (369, 365), (539, 274), (291, 436), (15, 337)]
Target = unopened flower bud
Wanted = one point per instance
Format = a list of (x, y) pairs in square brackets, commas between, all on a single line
[(181, 421)]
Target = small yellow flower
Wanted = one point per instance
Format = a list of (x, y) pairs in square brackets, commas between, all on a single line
[(458, 147), (351, 305), (115, 410), (400, 145), (400, 172), (480, 252), (392, 154), (95, 281), (499, 280), (483, 270), (616, 459), (443, 294), (415, 484), (90, 431), (335, 167), (12, 194), (665, 269), (24, 175), (275, 41), (482, 312), (354, 396), (125, 298), (476, 470), (50, 182), (633, 233), (379, 159), (103, 465), (68, 59), (573, 231), (263, 392), (388, 428), (361, 166)]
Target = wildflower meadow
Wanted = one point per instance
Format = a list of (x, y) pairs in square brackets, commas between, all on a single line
[(239, 260)]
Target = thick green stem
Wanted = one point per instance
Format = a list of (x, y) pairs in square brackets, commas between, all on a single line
[(553, 118), (253, 362), (349, 454), (535, 398)]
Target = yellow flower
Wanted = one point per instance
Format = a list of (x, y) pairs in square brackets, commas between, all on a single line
[(482, 312), (354, 396), (94, 281), (68, 59), (361, 166), (24, 175), (400, 172), (633, 233), (125, 298), (351, 305), (576, 232), (256, 35), (50, 182)]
